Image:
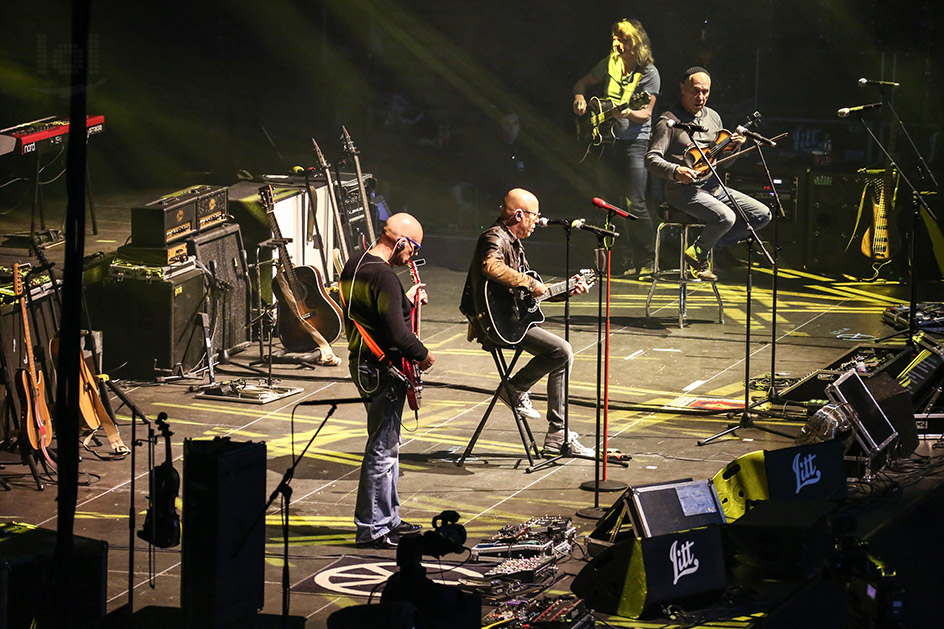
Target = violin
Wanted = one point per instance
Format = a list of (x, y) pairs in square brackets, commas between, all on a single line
[(162, 522)]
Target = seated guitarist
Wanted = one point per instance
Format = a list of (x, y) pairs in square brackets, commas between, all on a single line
[(499, 257), (703, 199), (628, 70), (377, 321)]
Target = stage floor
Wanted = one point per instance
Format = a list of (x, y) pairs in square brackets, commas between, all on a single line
[(658, 377)]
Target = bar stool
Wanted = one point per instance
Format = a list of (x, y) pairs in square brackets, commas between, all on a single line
[(673, 218), (524, 430)]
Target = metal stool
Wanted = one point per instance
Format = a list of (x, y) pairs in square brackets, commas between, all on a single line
[(524, 430), (679, 276)]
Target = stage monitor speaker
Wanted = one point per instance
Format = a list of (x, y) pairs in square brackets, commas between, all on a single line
[(150, 327), (28, 577), (221, 254), (675, 506), (634, 577), (780, 539), (873, 431), (812, 472), (223, 524), (895, 401)]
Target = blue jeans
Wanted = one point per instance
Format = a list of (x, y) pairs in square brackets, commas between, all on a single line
[(552, 356), (377, 511), (636, 244), (711, 206)]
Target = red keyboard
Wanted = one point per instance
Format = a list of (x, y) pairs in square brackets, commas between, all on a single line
[(43, 135)]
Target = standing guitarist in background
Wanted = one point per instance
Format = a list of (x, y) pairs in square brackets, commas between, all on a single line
[(627, 72), (499, 258), (689, 189), (377, 321)]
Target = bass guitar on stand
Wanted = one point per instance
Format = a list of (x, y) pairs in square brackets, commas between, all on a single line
[(361, 189), (341, 253), (308, 317), (30, 385)]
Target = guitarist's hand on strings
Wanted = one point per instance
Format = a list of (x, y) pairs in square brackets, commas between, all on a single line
[(538, 289), (581, 286)]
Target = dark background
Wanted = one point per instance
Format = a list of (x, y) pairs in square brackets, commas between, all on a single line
[(194, 92)]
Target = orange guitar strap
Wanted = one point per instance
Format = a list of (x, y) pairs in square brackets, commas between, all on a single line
[(371, 344)]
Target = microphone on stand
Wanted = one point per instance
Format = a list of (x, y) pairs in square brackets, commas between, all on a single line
[(742, 130), (691, 127), (864, 81), (603, 205), (577, 223), (845, 111)]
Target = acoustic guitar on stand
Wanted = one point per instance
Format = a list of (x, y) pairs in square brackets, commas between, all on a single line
[(308, 317)]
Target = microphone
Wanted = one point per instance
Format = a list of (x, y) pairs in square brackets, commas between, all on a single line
[(845, 111), (603, 205), (691, 127), (864, 81), (563, 222), (599, 231), (741, 129)]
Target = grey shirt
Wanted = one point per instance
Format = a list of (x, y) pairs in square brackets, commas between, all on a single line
[(668, 145)]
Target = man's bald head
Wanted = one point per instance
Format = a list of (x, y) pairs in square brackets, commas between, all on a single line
[(518, 199), (403, 225)]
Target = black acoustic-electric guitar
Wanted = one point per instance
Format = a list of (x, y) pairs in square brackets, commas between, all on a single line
[(510, 312), (308, 317)]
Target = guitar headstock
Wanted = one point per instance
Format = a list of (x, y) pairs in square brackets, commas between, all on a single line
[(17, 281), (321, 158), (414, 265), (266, 196), (589, 276), (347, 141)]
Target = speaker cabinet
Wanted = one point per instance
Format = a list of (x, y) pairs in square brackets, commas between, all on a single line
[(220, 251), (832, 209), (28, 576), (150, 327), (223, 543), (632, 577)]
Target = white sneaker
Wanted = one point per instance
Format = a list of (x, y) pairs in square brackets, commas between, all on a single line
[(554, 440), (520, 401)]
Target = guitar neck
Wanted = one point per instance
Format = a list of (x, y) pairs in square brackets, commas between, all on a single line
[(558, 288), (20, 290)]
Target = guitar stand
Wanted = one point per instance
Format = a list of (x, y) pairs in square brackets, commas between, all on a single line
[(524, 430)]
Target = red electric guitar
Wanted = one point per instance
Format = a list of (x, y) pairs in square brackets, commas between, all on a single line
[(411, 369)]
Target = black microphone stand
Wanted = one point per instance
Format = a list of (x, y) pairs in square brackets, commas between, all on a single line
[(772, 394), (565, 451), (747, 419), (135, 414), (603, 255), (284, 489), (917, 203)]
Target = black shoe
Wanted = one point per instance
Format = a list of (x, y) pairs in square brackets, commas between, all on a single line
[(405, 528), (384, 542)]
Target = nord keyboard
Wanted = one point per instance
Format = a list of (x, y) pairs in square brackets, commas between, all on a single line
[(43, 135)]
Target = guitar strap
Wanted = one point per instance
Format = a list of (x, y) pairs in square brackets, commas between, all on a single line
[(368, 339)]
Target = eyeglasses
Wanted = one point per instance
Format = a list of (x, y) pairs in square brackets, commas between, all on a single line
[(416, 246), (538, 214)]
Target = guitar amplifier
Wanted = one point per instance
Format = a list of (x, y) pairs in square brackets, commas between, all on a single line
[(150, 323), (177, 215)]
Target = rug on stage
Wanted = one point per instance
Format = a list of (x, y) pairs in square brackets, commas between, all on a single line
[(353, 575), (706, 403)]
